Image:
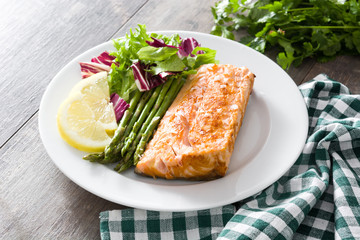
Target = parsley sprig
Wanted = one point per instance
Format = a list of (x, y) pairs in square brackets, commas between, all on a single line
[(322, 29)]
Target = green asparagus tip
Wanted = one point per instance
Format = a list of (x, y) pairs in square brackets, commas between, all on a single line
[(95, 157)]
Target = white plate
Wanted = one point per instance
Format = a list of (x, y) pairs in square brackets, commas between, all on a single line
[(271, 138)]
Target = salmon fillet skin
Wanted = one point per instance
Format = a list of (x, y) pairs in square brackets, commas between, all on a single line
[(196, 137)]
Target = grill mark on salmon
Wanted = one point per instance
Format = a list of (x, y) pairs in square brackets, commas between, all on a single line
[(196, 137)]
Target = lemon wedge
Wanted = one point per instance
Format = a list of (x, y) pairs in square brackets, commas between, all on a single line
[(86, 119)]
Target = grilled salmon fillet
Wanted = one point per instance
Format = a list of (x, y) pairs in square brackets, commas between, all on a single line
[(196, 137)]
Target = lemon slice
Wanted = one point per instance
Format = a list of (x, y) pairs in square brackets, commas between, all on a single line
[(86, 119)]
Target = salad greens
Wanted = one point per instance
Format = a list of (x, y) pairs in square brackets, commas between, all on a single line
[(154, 56), (322, 29), (145, 75)]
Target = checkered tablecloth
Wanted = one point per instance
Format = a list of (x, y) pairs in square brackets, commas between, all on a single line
[(318, 198)]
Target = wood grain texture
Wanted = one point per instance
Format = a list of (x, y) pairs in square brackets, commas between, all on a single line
[(37, 39), (186, 15), (37, 200), (345, 69)]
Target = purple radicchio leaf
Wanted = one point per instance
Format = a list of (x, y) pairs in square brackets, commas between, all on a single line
[(91, 68), (157, 43), (98, 64), (104, 58), (187, 46), (144, 79), (119, 104)]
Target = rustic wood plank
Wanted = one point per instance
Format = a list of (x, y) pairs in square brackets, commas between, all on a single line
[(345, 69), (38, 38), (37, 200), (173, 15)]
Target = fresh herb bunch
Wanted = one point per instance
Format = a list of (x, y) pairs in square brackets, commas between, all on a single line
[(322, 29)]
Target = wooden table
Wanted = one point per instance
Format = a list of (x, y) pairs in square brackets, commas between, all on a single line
[(37, 38)]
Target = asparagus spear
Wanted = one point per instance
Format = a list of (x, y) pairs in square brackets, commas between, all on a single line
[(125, 165), (127, 161), (169, 98), (111, 153), (95, 157), (145, 115), (140, 120), (143, 101)]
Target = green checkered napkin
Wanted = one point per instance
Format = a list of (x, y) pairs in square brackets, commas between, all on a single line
[(318, 198)]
